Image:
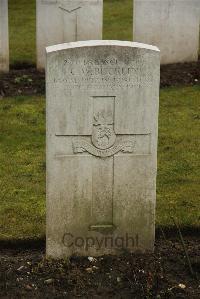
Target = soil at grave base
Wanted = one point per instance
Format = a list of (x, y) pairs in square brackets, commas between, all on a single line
[(29, 81), (25, 273)]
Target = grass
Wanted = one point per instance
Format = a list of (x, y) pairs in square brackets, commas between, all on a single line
[(22, 177), (178, 192), (22, 159), (22, 27), (118, 19)]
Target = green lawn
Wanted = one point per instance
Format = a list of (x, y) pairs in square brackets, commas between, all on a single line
[(178, 191), (22, 159), (22, 176), (22, 29), (118, 19)]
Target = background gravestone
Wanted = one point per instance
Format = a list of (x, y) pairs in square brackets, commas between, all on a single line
[(171, 25), (102, 122), (4, 37), (60, 21)]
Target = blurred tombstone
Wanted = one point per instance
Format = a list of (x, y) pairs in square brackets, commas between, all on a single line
[(171, 25), (60, 21), (4, 37)]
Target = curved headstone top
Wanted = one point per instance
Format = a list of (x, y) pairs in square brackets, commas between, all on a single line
[(96, 43), (102, 127)]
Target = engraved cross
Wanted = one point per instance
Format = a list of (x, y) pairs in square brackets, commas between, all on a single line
[(102, 146)]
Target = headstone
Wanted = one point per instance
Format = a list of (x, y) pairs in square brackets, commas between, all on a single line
[(4, 37), (60, 21), (171, 25), (102, 123)]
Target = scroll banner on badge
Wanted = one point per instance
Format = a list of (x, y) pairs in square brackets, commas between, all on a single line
[(81, 146)]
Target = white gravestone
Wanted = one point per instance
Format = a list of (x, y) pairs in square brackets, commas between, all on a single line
[(102, 123), (60, 21), (171, 25), (4, 37)]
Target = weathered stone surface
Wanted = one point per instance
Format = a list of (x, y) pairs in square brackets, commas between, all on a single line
[(60, 21), (4, 37), (102, 122), (171, 25)]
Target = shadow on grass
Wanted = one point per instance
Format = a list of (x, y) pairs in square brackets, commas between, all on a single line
[(22, 65)]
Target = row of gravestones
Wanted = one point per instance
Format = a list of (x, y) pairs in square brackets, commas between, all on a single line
[(172, 25)]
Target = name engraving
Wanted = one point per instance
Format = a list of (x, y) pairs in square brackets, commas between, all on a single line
[(108, 73)]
